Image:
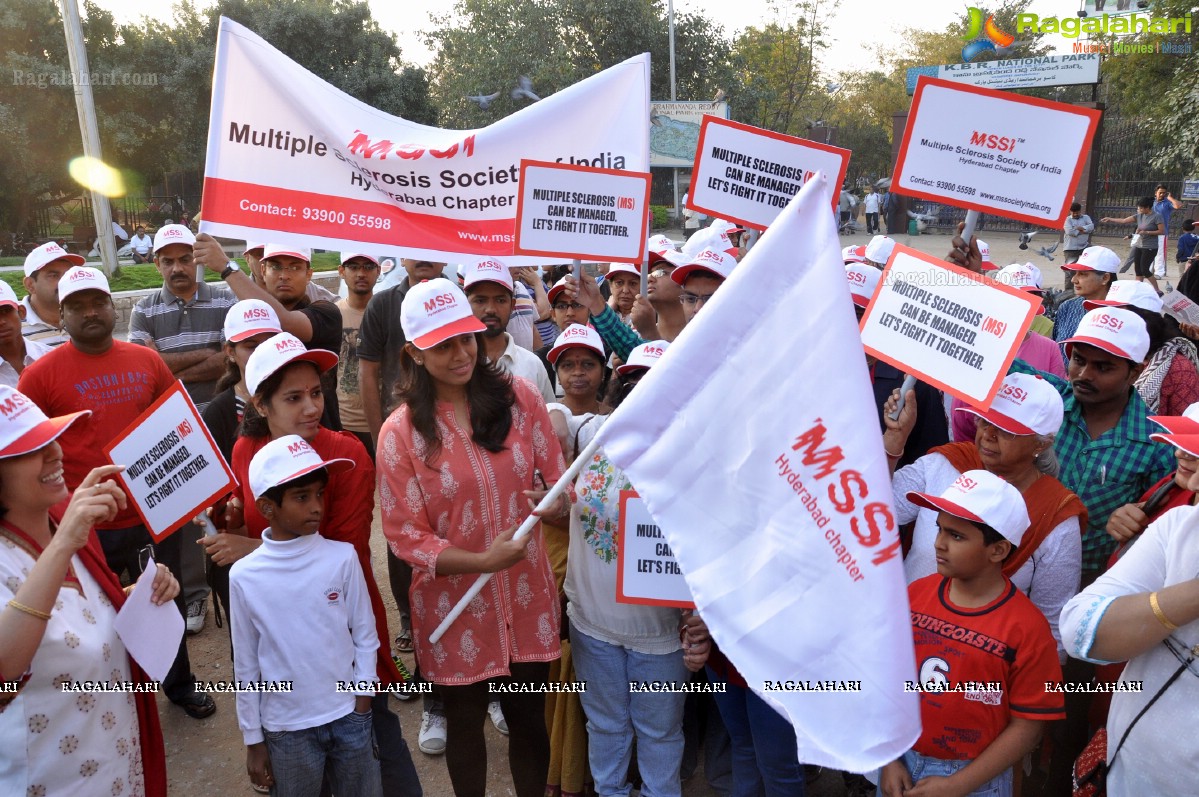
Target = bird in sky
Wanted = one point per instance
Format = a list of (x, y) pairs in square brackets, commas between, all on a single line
[(484, 100), (524, 89)]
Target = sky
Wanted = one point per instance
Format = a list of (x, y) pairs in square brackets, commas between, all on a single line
[(859, 29)]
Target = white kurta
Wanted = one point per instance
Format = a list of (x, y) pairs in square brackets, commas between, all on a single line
[(57, 742)]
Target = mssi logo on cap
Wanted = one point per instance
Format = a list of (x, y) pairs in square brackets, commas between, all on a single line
[(300, 448), (289, 344), (1016, 395), (14, 405), (439, 301), (256, 314), (1108, 321), (965, 483)]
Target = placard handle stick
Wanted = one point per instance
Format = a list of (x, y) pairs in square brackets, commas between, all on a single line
[(909, 383), (559, 486), (971, 223), (578, 269), (645, 260)]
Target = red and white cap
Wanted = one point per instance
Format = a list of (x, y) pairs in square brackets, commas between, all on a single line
[(1025, 404), (863, 280), (726, 226), (622, 268), (1185, 424), (1096, 258), (46, 254), (981, 497), (660, 243), (173, 234), (709, 238), (286, 459), (248, 318), (643, 357), (346, 257), (23, 425), (1123, 293), (717, 263), (278, 351), (81, 278), (984, 249), (278, 250), (662, 249), (854, 254), (250, 247), (1115, 330), (488, 270), (879, 249), (8, 295), (1018, 275), (576, 336), (436, 310), (1187, 442), (559, 286)]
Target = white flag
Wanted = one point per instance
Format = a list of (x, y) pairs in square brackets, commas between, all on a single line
[(755, 444)]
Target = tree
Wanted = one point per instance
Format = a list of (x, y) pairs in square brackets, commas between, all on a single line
[(483, 47)]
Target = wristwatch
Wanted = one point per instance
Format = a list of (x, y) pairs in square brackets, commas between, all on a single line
[(229, 269)]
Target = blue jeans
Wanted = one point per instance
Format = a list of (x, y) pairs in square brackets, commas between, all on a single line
[(922, 766), (765, 755), (346, 745), (395, 759), (615, 716)]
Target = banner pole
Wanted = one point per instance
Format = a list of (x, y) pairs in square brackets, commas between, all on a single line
[(645, 261), (971, 223), (559, 486)]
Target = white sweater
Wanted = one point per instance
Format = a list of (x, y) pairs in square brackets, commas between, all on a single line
[(301, 613)]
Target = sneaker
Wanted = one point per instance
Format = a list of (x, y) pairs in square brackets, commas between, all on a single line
[(497, 717), (196, 612), (432, 734)]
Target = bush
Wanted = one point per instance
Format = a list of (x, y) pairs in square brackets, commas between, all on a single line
[(661, 217)]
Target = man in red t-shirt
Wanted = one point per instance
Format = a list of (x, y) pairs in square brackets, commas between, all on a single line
[(117, 381), (988, 667)]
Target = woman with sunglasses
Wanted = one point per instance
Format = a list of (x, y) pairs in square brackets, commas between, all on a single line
[(60, 602), (458, 464)]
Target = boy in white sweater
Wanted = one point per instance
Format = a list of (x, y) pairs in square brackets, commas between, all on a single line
[(304, 636)]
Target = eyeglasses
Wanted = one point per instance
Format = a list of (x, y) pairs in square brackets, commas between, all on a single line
[(567, 306), (360, 267), (290, 268), (1002, 434), (660, 273), (691, 298)]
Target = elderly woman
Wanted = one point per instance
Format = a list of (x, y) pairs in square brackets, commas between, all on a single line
[(1145, 611), (1010, 440), (458, 462), (56, 627)]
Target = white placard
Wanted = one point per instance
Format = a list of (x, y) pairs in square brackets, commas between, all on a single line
[(173, 468), (952, 328), (992, 151), (647, 572), (748, 175), (1182, 308), (150, 633), (582, 212)]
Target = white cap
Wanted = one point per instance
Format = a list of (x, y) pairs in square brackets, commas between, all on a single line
[(278, 351), (879, 249), (576, 336), (47, 253), (1128, 292), (1024, 405), (275, 250), (660, 243), (23, 425), (717, 263), (708, 238), (488, 270), (622, 268), (1018, 275), (436, 310), (81, 278), (984, 249), (863, 280), (854, 254), (1115, 330), (250, 247), (1187, 423), (286, 459), (559, 286), (1096, 258), (644, 356), (248, 318), (173, 234), (346, 257), (981, 497), (8, 295)]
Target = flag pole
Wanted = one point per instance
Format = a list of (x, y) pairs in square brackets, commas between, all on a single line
[(531, 521)]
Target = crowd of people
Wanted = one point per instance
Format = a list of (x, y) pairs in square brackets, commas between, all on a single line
[(1043, 536)]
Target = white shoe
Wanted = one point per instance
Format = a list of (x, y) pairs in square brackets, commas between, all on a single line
[(196, 612), (432, 734), (497, 717)]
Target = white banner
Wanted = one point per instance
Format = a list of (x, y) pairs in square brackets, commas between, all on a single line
[(955, 329), (748, 175), (775, 497), (291, 157), (1015, 73), (646, 570), (993, 151)]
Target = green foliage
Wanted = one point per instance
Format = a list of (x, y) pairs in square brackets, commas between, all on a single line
[(660, 216)]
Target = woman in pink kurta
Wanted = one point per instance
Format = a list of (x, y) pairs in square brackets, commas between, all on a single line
[(457, 464)]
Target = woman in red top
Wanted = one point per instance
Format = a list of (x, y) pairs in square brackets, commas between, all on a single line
[(283, 379), (458, 461)]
